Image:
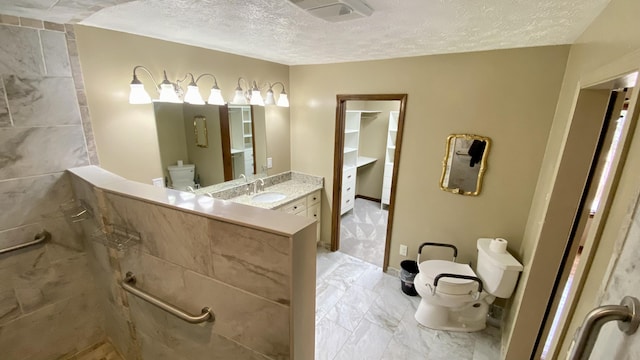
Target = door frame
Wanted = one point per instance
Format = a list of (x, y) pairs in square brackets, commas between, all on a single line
[(557, 222), (593, 234), (338, 162)]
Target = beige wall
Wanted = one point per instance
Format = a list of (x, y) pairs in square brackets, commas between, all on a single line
[(126, 134), (507, 95), (608, 48)]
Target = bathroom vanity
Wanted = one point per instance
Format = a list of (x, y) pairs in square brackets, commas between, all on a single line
[(290, 192)]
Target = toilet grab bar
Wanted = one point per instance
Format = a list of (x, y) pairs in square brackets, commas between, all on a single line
[(455, 249), (129, 285), (628, 320), (457, 276), (40, 237)]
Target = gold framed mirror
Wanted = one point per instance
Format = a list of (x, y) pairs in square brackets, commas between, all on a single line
[(464, 164), (200, 129)]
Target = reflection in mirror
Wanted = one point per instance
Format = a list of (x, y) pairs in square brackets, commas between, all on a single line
[(464, 164), (242, 142), (183, 128), (200, 126)]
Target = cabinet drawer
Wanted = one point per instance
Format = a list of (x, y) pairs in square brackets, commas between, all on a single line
[(295, 207), (313, 212), (313, 198), (349, 176), (348, 188), (347, 203)]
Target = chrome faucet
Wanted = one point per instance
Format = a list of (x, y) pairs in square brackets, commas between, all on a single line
[(256, 187), (242, 176)]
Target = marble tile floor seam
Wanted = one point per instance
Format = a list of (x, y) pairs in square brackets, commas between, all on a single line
[(361, 313)]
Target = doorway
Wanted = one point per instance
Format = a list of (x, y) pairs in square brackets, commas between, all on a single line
[(602, 109), (358, 115)]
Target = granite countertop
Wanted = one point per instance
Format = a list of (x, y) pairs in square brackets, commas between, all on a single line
[(293, 189)]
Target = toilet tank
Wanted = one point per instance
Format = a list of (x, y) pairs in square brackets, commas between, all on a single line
[(182, 176), (498, 270)]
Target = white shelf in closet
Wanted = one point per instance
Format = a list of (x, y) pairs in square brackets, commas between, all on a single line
[(389, 158), (365, 160)]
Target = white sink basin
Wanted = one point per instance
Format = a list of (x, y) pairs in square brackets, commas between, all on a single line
[(268, 197)]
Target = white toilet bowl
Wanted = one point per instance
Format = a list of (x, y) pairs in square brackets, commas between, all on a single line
[(455, 298)]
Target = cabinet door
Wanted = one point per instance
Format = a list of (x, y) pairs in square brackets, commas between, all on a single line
[(313, 212)]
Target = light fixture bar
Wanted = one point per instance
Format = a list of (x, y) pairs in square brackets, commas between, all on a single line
[(172, 92)]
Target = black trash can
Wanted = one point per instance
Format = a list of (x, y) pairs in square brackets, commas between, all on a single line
[(408, 273)]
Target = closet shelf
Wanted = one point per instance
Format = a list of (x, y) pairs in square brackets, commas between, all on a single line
[(365, 160)]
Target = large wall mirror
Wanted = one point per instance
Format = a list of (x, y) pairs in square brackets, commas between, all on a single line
[(464, 164), (234, 135)]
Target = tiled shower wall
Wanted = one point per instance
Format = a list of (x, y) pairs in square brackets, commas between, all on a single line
[(47, 295), (244, 274)]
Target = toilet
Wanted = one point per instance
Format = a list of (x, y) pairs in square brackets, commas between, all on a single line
[(182, 176), (457, 298)]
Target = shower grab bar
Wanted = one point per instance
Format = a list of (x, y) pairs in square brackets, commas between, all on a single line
[(129, 285), (628, 320), (40, 237)]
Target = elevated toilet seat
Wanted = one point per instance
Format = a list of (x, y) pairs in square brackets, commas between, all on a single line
[(428, 270)]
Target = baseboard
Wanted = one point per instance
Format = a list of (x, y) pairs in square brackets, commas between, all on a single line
[(368, 198)]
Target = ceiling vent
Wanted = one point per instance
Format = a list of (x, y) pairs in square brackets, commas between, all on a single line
[(335, 10)]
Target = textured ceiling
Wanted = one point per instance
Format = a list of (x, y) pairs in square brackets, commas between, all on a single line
[(278, 31)]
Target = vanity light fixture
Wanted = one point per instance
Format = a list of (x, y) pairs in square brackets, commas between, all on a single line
[(192, 96), (138, 95), (168, 91), (283, 99), (239, 96), (171, 92), (193, 92), (254, 97)]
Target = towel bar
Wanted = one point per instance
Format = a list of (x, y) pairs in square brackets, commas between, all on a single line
[(40, 237), (129, 285)]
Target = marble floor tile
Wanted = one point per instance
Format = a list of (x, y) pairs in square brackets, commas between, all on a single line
[(330, 337), (354, 304), (368, 341), (387, 330), (346, 274), (327, 297), (363, 231)]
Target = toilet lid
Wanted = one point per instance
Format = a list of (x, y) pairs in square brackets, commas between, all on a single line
[(431, 268)]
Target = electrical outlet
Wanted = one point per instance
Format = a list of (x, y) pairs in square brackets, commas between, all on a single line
[(269, 163), (403, 250)]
